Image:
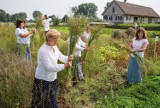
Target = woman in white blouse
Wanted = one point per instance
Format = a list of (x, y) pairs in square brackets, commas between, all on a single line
[(23, 40), (44, 88), (45, 23), (138, 45)]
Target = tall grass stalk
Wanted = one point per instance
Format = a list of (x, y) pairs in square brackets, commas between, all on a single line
[(144, 63), (76, 27), (96, 31)]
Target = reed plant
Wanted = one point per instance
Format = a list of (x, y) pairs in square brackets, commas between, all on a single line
[(96, 31), (76, 27), (144, 63)]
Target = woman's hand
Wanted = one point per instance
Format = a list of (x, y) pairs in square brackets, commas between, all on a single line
[(86, 48), (70, 58), (68, 64), (131, 50), (33, 31)]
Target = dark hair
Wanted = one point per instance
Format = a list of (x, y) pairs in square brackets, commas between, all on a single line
[(18, 23), (141, 29), (45, 16)]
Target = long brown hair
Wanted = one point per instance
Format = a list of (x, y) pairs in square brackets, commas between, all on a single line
[(141, 29)]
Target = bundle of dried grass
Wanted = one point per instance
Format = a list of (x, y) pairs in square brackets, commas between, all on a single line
[(118, 34), (131, 32)]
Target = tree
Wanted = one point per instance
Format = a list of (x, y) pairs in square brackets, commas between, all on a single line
[(52, 16), (86, 9), (21, 15), (14, 17), (56, 21), (37, 14), (4, 17), (65, 18)]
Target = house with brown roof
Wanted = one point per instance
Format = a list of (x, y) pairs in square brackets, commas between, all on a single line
[(123, 12)]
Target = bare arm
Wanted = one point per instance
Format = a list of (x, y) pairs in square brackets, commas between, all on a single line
[(26, 34), (143, 48)]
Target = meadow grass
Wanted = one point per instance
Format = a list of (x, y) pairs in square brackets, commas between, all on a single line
[(105, 70)]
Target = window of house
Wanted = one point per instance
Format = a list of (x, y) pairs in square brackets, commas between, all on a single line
[(105, 17), (116, 18), (126, 18), (113, 10), (121, 18), (110, 18)]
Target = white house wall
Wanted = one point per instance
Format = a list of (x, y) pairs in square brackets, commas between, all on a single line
[(118, 12)]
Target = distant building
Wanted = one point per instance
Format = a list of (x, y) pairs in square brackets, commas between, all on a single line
[(122, 12)]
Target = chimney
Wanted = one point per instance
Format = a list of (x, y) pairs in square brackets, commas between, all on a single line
[(125, 1)]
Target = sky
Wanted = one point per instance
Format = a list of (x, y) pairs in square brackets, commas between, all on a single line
[(62, 7)]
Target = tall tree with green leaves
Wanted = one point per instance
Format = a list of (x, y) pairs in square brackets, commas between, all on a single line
[(21, 15), (4, 17), (56, 21), (65, 18), (37, 14), (85, 9)]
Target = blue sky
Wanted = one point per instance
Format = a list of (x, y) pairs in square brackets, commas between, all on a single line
[(62, 7)]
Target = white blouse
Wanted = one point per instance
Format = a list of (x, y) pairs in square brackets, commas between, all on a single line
[(47, 62), (79, 47), (45, 23), (21, 40), (137, 44)]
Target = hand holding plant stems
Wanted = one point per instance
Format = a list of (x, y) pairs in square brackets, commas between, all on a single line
[(144, 63)]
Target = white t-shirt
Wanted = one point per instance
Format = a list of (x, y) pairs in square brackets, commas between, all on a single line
[(47, 63), (21, 40), (86, 35), (80, 46), (137, 44), (45, 23)]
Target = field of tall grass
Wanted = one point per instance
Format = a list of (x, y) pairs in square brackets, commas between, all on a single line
[(105, 69)]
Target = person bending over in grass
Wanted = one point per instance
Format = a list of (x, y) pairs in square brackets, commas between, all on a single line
[(23, 40), (77, 65), (44, 87), (138, 45)]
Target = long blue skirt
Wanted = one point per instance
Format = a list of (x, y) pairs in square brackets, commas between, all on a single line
[(134, 71)]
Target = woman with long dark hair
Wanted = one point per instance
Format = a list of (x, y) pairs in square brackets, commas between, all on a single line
[(138, 45)]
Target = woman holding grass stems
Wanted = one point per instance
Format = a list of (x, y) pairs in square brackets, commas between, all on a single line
[(138, 46), (45, 23), (23, 39), (44, 87), (77, 65)]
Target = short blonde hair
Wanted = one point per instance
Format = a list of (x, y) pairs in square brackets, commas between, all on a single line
[(52, 35)]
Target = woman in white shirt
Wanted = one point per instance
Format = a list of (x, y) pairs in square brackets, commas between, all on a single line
[(77, 63), (44, 88), (45, 23), (23, 40), (138, 45)]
